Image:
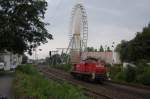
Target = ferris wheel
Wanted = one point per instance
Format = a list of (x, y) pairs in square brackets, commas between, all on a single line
[(79, 28), (78, 33)]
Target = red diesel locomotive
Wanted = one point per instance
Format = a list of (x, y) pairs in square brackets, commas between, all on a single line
[(90, 69)]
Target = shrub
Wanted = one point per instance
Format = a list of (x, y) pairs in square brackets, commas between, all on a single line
[(143, 74), (139, 74), (130, 74), (144, 78), (120, 76), (114, 70), (141, 66)]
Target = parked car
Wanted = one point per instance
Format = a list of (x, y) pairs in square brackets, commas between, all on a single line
[(2, 65)]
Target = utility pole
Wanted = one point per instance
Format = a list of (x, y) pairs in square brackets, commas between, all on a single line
[(113, 52)]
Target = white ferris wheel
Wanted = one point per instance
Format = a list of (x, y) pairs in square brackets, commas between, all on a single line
[(78, 32), (79, 28)]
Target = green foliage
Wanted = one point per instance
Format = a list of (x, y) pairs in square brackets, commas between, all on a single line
[(137, 48), (144, 78), (108, 65), (143, 73), (130, 74), (65, 67), (90, 49), (114, 70), (22, 27), (24, 59), (33, 85), (55, 59), (27, 69), (140, 74), (65, 57), (122, 49), (108, 49), (95, 50), (101, 49), (47, 60), (141, 66), (120, 76)]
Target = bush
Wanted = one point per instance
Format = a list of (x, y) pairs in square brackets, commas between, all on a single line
[(119, 76), (114, 70), (130, 74), (144, 78), (143, 73), (141, 66), (139, 74)]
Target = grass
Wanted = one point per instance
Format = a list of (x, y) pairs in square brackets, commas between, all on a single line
[(64, 67), (29, 84)]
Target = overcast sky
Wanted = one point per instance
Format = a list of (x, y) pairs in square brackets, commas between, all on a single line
[(109, 21)]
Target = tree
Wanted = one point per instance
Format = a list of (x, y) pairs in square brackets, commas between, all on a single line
[(90, 49), (47, 60), (55, 59), (95, 50), (24, 59), (64, 57), (130, 74), (122, 50), (136, 49), (101, 49), (108, 49), (21, 25)]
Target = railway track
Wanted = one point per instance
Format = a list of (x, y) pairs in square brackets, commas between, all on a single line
[(107, 90), (88, 92), (129, 84)]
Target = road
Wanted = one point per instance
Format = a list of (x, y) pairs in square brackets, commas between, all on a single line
[(6, 85)]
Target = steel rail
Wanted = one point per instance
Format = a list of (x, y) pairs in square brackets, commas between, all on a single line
[(87, 91)]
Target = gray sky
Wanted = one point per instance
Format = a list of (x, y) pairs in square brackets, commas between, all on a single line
[(109, 20)]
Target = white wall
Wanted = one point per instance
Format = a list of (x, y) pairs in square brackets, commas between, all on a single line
[(7, 62), (11, 59), (116, 58)]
